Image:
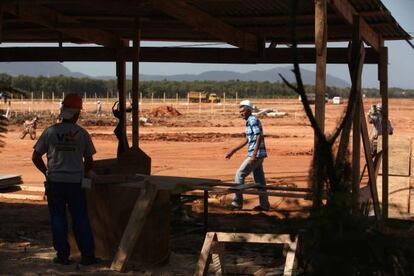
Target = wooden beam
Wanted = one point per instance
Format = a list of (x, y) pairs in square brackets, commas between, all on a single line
[(345, 9), (253, 238), (202, 21), (122, 90), (193, 55), (356, 131), (135, 87), (51, 19), (370, 165), (290, 262), (205, 256), (321, 35), (133, 229), (383, 78)]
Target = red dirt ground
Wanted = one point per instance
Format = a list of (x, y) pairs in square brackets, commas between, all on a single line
[(192, 145)]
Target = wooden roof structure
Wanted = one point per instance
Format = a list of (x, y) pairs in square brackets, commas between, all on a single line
[(242, 23), (256, 29)]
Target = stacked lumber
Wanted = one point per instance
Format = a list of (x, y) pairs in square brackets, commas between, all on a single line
[(8, 180)]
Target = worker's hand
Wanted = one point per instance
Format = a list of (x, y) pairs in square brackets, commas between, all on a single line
[(229, 154)]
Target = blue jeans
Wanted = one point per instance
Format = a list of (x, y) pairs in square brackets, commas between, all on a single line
[(259, 178), (60, 195)]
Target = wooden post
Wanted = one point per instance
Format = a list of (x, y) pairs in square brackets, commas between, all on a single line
[(135, 87), (356, 131), (121, 83), (321, 34), (383, 78), (43, 96), (53, 97)]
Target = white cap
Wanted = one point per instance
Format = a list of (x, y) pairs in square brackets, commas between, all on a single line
[(246, 103), (379, 106)]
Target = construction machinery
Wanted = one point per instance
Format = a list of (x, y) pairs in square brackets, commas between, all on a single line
[(204, 97)]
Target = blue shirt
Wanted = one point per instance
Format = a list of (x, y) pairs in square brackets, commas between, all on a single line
[(254, 128)]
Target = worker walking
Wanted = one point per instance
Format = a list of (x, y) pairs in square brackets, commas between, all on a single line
[(375, 118), (69, 150), (98, 109), (256, 153)]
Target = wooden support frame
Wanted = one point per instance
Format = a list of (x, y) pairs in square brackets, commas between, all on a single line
[(192, 55), (383, 78), (356, 131), (213, 248), (209, 24), (135, 87), (345, 9), (370, 164), (321, 35), (133, 229), (121, 84), (49, 18)]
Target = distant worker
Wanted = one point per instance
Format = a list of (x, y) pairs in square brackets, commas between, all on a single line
[(256, 153), (29, 127), (375, 118), (69, 150), (98, 109)]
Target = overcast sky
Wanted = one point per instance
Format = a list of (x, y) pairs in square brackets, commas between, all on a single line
[(401, 59)]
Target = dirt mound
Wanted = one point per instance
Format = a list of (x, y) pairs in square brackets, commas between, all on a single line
[(164, 111)]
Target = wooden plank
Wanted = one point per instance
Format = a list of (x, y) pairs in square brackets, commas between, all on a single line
[(165, 54), (49, 18), (244, 186), (202, 21), (253, 238), (370, 165), (345, 9), (133, 229), (290, 258), (22, 196), (205, 257)]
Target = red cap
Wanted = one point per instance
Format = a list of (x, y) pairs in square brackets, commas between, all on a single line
[(72, 101)]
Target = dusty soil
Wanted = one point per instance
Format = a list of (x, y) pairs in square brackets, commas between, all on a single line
[(193, 144)]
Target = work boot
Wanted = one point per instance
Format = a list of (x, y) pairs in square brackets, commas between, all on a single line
[(89, 260), (62, 261)]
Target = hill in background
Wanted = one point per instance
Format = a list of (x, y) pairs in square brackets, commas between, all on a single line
[(51, 69)]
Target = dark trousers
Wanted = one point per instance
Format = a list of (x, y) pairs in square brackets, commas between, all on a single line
[(60, 195)]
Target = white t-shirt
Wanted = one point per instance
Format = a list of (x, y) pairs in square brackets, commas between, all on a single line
[(65, 144)]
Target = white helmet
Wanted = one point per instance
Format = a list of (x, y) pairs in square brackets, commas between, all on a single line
[(247, 104), (379, 106)]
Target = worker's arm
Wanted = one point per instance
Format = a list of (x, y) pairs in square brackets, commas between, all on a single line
[(234, 150), (256, 147), (38, 162), (88, 164)]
